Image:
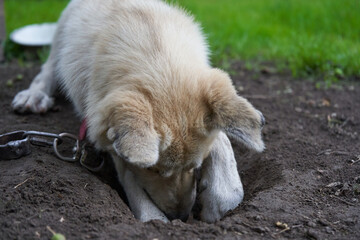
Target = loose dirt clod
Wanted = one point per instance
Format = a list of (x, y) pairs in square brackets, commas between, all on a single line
[(281, 225)]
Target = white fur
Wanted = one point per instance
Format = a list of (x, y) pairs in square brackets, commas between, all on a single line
[(37, 98), (220, 185), (142, 207), (101, 51)]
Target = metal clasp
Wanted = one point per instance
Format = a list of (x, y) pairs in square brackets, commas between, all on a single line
[(14, 145), (84, 154), (76, 148), (57, 139)]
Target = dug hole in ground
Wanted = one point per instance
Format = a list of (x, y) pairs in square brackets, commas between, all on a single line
[(306, 185)]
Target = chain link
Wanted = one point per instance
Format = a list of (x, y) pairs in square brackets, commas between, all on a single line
[(76, 148), (16, 144), (56, 140)]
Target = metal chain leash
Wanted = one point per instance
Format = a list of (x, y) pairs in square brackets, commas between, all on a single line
[(16, 144)]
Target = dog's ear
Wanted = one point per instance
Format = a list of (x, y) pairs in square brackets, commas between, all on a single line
[(132, 132), (231, 113), (137, 146)]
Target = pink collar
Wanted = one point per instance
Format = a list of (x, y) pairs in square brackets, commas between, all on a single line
[(83, 130)]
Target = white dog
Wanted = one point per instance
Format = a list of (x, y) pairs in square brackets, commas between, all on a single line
[(138, 71)]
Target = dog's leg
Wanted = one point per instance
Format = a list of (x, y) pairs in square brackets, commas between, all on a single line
[(220, 183), (140, 204), (37, 98)]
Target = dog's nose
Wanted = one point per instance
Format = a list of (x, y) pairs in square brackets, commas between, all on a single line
[(262, 118)]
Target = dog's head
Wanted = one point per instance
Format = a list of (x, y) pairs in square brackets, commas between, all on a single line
[(166, 132)]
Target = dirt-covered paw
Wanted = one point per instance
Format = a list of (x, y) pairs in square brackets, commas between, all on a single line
[(216, 202), (150, 214), (34, 101)]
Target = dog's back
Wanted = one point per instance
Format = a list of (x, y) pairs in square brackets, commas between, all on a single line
[(138, 71), (121, 38)]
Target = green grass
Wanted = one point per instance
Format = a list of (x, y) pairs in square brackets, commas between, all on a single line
[(308, 36), (23, 12), (19, 13), (312, 36)]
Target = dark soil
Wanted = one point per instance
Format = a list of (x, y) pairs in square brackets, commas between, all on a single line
[(306, 185)]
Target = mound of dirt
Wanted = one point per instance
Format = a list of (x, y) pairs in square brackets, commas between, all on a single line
[(305, 185)]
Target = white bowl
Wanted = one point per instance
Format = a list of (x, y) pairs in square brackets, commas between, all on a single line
[(34, 35)]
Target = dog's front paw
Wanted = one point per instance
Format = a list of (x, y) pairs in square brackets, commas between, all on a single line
[(152, 213), (34, 101), (216, 201), (220, 182)]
